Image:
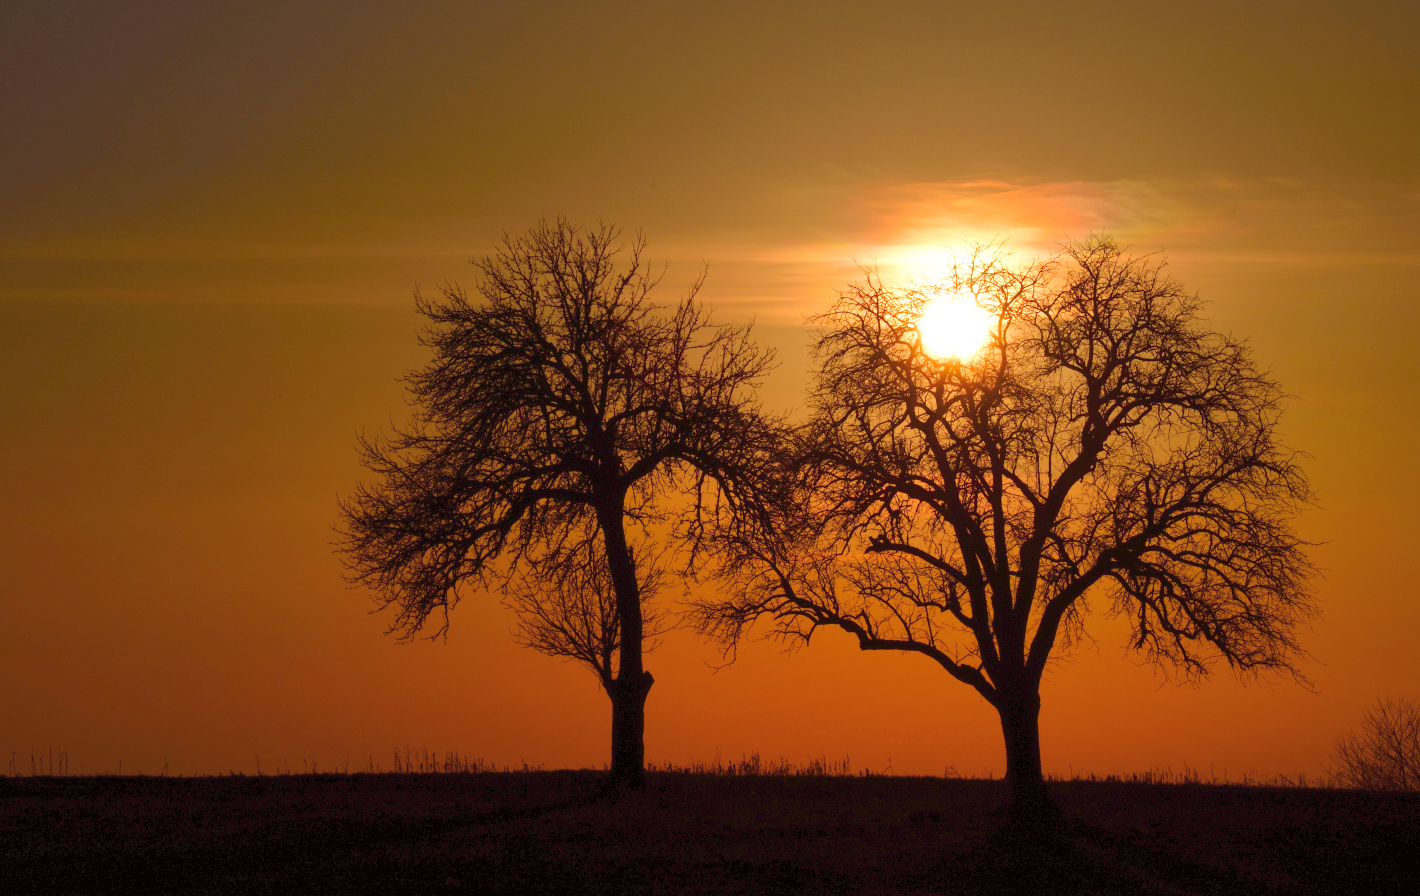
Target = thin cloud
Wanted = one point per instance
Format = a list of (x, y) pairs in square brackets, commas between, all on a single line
[(910, 231)]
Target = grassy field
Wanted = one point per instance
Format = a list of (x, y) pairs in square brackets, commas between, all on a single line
[(557, 832)]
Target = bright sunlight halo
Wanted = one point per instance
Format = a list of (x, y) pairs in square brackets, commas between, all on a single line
[(954, 327)]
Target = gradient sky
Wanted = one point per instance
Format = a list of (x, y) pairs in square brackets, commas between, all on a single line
[(214, 217)]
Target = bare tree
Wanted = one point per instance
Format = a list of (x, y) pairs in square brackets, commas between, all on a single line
[(1385, 753), (1106, 451), (557, 410)]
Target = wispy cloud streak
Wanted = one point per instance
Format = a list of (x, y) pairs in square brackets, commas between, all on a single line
[(912, 231)]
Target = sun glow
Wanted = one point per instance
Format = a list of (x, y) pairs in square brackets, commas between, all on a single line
[(954, 327)]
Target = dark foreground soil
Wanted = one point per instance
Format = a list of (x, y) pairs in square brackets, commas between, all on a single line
[(557, 832)]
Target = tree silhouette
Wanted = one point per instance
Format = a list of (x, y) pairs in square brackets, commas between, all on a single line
[(557, 410), (1385, 753), (1106, 451)]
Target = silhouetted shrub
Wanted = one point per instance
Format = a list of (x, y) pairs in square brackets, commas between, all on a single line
[(1385, 753)]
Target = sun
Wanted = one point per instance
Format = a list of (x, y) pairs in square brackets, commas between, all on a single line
[(954, 327)]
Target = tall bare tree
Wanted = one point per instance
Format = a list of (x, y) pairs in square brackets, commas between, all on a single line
[(560, 409), (1105, 451)]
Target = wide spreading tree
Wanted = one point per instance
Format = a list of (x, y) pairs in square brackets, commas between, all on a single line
[(1103, 451)]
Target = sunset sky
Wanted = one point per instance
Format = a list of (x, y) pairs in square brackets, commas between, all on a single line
[(213, 218)]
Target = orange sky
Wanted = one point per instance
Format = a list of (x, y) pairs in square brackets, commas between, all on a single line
[(215, 218)]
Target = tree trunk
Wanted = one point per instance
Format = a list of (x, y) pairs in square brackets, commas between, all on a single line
[(633, 682), (628, 729), (1020, 723)]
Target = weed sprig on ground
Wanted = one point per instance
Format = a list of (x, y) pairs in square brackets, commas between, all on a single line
[(57, 764), (753, 766), (425, 761), (1194, 776)]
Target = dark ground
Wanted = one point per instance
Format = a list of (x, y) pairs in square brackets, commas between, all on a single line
[(553, 832)]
